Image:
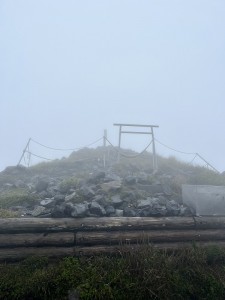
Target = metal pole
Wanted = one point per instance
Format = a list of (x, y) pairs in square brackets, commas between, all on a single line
[(27, 145)]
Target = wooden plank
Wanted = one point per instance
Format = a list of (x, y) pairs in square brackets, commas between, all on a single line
[(115, 237), (19, 225), (62, 239), (113, 249), (16, 254), (37, 239), (209, 222)]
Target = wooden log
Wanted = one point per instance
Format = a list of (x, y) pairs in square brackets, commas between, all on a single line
[(62, 239), (37, 239), (209, 222), (116, 237), (16, 254), (19, 225), (113, 249)]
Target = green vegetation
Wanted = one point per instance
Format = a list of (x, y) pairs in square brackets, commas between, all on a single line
[(69, 183), (194, 273), (81, 163), (15, 197), (6, 213)]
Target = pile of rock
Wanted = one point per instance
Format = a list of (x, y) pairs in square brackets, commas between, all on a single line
[(102, 194)]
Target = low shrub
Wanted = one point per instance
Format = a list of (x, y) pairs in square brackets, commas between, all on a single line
[(145, 273), (17, 196)]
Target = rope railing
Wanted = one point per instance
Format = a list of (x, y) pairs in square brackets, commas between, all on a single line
[(190, 153), (42, 157), (178, 151), (129, 156), (31, 153), (66, 149)]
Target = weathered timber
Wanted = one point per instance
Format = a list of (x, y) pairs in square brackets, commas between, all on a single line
[(209, 222), (113, 249), (16, 254), (19, 225), (20, 238), (60, 239), (149, 236)]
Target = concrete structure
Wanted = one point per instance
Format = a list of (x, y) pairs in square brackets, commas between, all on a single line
[(204, 200)]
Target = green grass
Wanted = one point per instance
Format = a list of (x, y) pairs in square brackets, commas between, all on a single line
[(194, 273), (17, 196), (69, 183), (81, 163), (7, 213)]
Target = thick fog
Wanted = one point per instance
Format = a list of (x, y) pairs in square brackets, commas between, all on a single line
[(70, 69)]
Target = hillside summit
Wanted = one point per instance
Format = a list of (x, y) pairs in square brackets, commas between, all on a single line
[(92, 183)]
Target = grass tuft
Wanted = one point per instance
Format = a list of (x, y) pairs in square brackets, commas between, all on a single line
[(195, 273)]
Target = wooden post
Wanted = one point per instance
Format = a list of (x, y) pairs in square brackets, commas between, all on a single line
[(104, 145), (155, 164), (24, 151), (118, 159)]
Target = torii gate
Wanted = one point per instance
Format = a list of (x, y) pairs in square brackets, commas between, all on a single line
[(151, 132)]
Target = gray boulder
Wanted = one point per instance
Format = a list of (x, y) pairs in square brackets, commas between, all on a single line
[(58, 211), (71, 197), (160, 210), (144, 212), (87, 192), (59, 198), (129, 212), (151, 189), (129, 196), (116, 201), (145, 203), (130, 180), (185, 211), (41, 185), (112, 177), (38, 210), (97, 177), (110, 210), (162, 200), (68, 208), (80, 210), (111, 186), (96, 209), (48, 203), (118, 213), (101, 199), (173, 208)]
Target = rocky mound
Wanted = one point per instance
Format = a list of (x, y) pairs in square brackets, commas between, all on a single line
[(83, 186), (101, 194)]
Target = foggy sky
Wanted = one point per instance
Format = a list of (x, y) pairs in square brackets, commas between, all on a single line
[(70, 69)]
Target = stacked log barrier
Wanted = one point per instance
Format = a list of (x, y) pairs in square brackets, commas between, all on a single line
[(22, 237)]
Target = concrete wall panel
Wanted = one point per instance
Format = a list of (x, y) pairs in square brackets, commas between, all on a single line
[(205, 200)]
